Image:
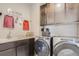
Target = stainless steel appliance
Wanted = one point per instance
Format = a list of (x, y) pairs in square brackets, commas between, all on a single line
[(43, 46), (65, 47)]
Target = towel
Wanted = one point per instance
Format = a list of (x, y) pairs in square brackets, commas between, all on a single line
[(8, 21)]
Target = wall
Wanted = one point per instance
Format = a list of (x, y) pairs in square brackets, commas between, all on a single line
[(32, 13), (35, 18), (21, 8), (60, 30)]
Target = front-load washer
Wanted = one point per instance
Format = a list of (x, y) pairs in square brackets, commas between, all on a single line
[(65, 47), (43, 46)]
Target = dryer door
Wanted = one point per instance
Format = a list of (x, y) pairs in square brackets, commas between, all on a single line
[(66, 49), (41, 47)]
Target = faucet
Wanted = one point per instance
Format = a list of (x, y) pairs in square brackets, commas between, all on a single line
[(9, 35)]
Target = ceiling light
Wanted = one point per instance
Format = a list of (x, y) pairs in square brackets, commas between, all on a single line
[(58, 5)]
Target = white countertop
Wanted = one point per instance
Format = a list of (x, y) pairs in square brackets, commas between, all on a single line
[(5, 40)]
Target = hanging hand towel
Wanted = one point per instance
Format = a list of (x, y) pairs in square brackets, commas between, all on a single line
[(8, 21), (25, 25)]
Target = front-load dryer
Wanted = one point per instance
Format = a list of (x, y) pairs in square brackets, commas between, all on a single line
[(43, 46), (65, 47)]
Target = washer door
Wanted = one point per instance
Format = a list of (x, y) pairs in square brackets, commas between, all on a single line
[(66, 49), (41, 47)]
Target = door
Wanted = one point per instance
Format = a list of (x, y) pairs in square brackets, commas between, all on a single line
[(9, 52), (42, 48), (66, 49), (59, 12), (72, 11), (50, 13), (22, 51), (43, 15)]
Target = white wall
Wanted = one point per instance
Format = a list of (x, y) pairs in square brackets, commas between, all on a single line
[(35, 18), (61, 30), (21, 8), (31, 12)]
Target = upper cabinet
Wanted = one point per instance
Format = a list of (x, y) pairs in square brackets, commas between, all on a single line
[(43, 15), (66, 12), (50, 13), (72, 12), (47, 14), (59, 13)]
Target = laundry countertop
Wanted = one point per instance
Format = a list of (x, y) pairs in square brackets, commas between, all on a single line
[(5, 40)]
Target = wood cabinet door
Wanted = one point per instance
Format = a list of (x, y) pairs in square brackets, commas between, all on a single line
[(31, 47), (9, 52), (50, 13), (72, 12), (47, 14), (43, 15), (22, 51), (25, 47), (60, 13)]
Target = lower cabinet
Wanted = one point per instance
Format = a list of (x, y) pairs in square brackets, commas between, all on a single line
[(18, 48), (22, 51), (25, 48), (9, 52)]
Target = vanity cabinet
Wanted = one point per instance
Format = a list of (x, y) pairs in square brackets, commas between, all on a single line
[(18, 48)]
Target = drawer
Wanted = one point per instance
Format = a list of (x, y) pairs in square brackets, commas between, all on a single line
[(6, 46), (22, 42), (9, 52)]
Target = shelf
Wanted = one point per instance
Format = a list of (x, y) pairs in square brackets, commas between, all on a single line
[(67, 36), (64, 23)]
